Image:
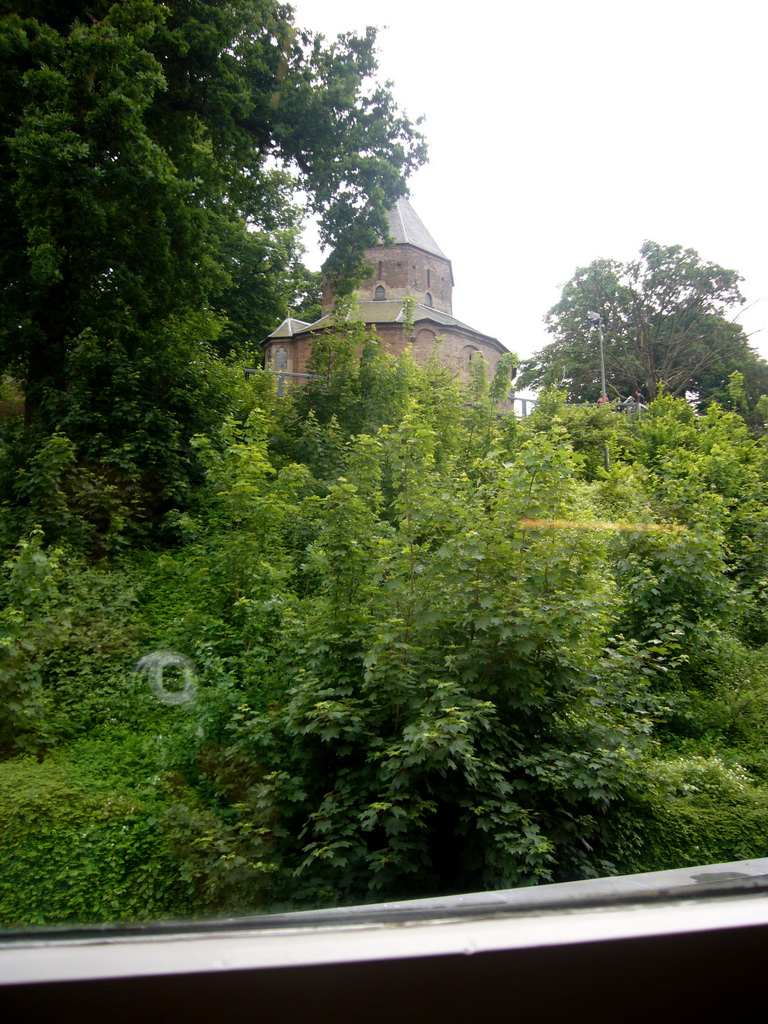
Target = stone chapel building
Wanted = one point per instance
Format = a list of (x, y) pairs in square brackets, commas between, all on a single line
[(414, 266)]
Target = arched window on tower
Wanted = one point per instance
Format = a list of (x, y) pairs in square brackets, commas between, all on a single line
[(428, 299), (379, 293)]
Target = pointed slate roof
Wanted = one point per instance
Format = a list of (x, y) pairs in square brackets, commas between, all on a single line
[(405, 227)]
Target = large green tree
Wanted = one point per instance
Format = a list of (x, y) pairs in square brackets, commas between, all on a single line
[(151, 155), (666, 317)]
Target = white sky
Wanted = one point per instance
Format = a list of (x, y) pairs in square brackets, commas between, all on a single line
[(561, 132)]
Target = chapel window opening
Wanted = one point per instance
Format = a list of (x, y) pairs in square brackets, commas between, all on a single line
[(379, 294), (380, 269), (427, 299), (281, 359), (470, 353)]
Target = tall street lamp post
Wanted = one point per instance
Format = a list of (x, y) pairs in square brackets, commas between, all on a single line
[(597, 321)]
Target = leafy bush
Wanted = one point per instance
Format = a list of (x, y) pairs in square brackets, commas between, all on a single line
[(447, 670), (78, 843), (69, 643), (699, 810), (33, 622)]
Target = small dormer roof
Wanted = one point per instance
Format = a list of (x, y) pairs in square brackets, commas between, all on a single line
[(289, 327)]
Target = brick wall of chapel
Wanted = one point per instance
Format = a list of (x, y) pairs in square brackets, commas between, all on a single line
[(456, 347), (403, 270)]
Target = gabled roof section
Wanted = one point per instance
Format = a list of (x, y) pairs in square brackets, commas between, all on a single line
[(406, 228), (289, 327)]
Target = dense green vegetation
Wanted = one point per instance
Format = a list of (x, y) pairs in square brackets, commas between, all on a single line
[(434, 650), (157, 160), (427, 648)]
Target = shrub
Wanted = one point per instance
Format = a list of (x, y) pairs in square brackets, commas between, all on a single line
[(81, 842)]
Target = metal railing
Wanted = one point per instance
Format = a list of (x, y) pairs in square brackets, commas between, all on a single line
[(283, 376), (521, 407)]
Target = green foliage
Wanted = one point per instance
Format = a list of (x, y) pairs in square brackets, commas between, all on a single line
[(435, 649), (80, 840), (666, 320), (224, 855), (34, 622), (446, 672), (68, 637), (596, 433), (699, 810), (86, 505), (356, 389), (506, 370), (151, 157)]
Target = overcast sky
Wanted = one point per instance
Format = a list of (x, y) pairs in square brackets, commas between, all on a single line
[(561, 132)]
